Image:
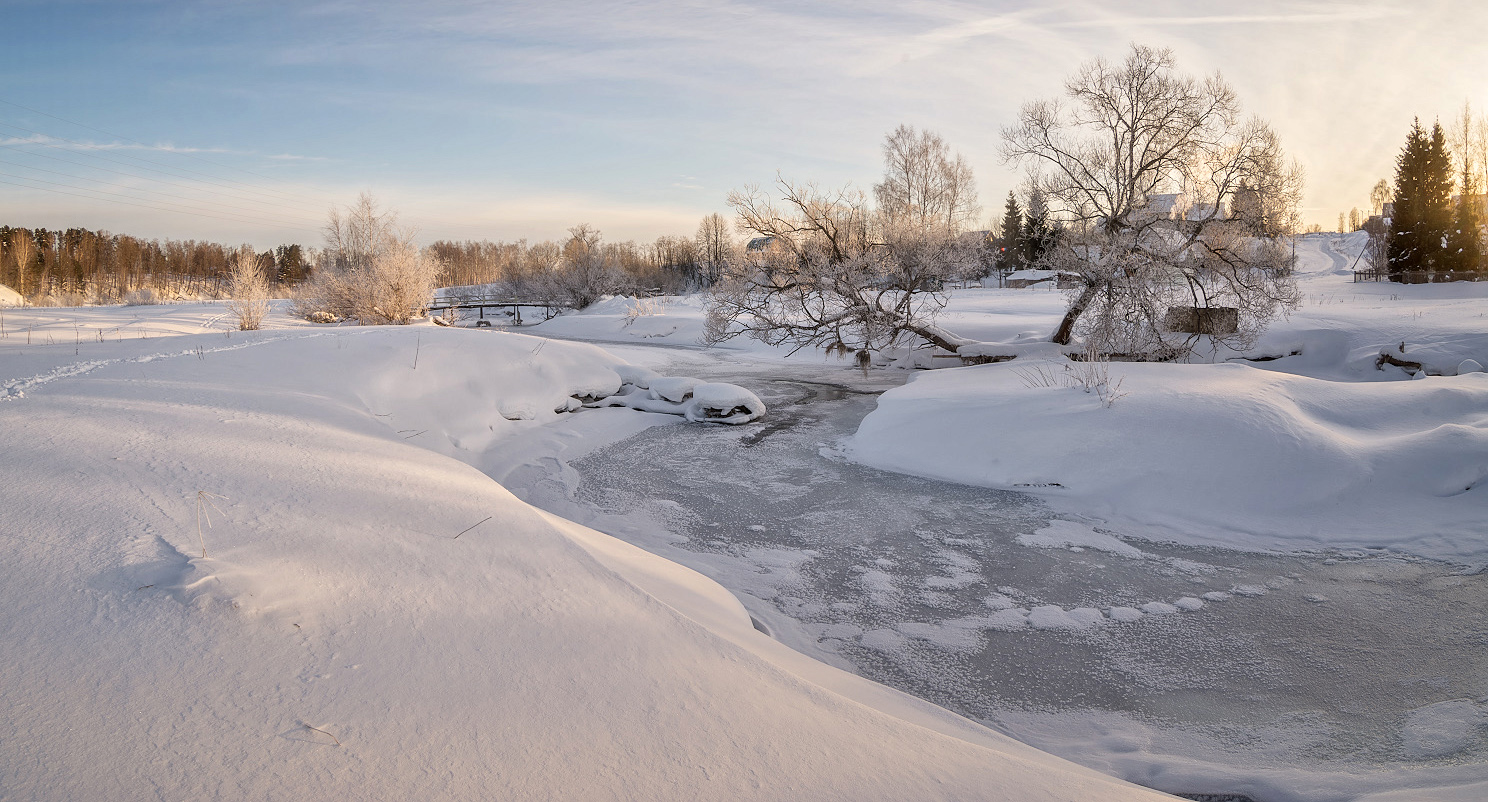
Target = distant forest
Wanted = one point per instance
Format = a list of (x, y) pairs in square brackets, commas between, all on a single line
[(77, 266)]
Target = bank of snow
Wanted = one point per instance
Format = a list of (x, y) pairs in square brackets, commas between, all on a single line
[(374, 618), (1226, 453)]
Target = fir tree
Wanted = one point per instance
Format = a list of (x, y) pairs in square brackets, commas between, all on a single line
[(1010, 257), (1464, 246), (1038, 235), (1423, 208)]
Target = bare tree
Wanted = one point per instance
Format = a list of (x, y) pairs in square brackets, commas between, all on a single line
[(1380, 195), (1173, 204), (248, 290), (815, 277), (925, 188), (584, 273), (23, 248), (715, 247)]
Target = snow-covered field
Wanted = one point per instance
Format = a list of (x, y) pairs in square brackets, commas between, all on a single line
[(369, 614), (361, 614)]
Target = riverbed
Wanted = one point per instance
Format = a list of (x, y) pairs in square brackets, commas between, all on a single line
[(1268, 677)]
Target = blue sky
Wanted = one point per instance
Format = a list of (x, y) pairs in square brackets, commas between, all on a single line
[(245, 121)]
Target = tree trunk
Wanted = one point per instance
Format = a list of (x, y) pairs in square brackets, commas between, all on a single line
[(936, 336), (1067, 325)]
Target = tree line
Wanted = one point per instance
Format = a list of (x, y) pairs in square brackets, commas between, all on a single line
[(582, 267), (77, 266)]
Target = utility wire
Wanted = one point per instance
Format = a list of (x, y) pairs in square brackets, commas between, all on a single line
[(192, 187), (245, 215), (172, 206), (110, 200), (90, 150), (137, 142)]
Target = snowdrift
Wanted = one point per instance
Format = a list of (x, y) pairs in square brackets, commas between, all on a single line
[(361, 616), (1227, 454), (698, 401)]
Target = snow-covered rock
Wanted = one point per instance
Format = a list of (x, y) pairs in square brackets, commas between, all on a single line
[(700, 402)]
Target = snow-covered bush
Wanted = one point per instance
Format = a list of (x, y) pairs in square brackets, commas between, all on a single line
[(248, 291), (370, 270), (144, 296)]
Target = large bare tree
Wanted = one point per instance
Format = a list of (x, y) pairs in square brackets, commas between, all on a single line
[(816, 277), (1177, 207), (827, 270)]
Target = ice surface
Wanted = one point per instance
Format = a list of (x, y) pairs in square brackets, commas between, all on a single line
[(1067, 534), (1442, 729)]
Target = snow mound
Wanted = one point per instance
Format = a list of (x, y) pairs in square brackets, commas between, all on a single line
[(9, 297), (698, 401), (1228, 454)]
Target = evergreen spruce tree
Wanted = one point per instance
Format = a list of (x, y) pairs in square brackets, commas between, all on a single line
[(1010, 257), (1423, 205), (1038, 235), (1464, 244)]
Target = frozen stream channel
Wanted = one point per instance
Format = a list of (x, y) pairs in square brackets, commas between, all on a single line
[(1268, 677)]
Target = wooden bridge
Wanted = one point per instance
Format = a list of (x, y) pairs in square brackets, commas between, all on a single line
[(513, 308)]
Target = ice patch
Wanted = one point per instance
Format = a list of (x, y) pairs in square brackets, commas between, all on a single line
[(956, 635), (1007, 620), (1051, 616), (879, 585), (1441, 729), (1159, 608), (997, 601), (1074, 536), (883, 640), (1189, 604), (1126, 615)]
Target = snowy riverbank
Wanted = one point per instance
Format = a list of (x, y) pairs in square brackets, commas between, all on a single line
[(373, 618)]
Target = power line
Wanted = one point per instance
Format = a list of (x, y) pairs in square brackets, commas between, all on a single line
[(89, 150), (192, 187), (177, 206), (246, 217), (142, 144), (110, 200)]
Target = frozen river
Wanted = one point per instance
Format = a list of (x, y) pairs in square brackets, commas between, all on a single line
[(1271, 677)]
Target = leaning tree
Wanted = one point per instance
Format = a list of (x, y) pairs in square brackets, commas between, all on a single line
[(1176, 208), (824, 269)]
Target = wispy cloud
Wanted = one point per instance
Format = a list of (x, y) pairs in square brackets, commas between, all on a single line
[(1333, 15)]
